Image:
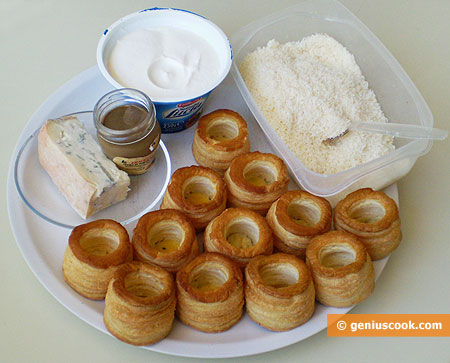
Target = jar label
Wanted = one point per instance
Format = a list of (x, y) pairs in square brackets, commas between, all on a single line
[(135, 166)]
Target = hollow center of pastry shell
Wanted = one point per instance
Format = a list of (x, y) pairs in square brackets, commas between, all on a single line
[(260, 173), (304, 212), (165, 236), (99, 242), (336, 255), (279, 275), (199, 190), (367, 211), (222, 129), (242, 233), (208, 276), (142, 285)]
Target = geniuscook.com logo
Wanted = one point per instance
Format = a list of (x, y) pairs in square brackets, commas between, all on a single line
[(184, 109)]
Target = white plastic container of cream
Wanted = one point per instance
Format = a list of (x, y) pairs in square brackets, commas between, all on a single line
[(174, 56)]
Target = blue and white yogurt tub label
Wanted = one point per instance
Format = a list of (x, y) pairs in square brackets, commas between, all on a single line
[(174, 117)]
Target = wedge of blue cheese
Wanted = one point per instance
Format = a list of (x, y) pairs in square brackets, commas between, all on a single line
[(84, 175)]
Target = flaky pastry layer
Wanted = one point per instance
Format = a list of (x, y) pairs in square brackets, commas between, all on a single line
[(161, 222), (295, 218), (279, 291), (210, 292), (92, 255), (199, 214), (220, 136), (140, 303), (373, 217), (341, 268), (246, 222), (244, 194)]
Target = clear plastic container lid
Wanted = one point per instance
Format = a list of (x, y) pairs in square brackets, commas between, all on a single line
[(399, 98)]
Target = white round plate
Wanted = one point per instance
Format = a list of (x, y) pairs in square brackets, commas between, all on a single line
[(43, 244)]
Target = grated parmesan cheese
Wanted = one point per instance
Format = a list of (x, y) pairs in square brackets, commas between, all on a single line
[(311, 90)]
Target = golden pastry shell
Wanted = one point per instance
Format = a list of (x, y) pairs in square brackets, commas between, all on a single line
[(177, 184), (253, 273), (332, 238), (344, 207), (143, 251), (140, 303), (164, 278), (285, 221), (234, 176), (215, 239), (121, 254), (233, 144), (220, 294)]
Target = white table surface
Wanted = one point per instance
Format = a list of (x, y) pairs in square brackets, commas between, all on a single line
[(45, 43)]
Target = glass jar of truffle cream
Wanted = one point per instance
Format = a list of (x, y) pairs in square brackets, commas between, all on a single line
[(127, 129)]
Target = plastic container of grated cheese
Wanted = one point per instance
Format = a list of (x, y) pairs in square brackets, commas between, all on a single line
[(399, 98)]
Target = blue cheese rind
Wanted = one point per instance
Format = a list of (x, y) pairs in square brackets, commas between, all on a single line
[(84, 175)]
